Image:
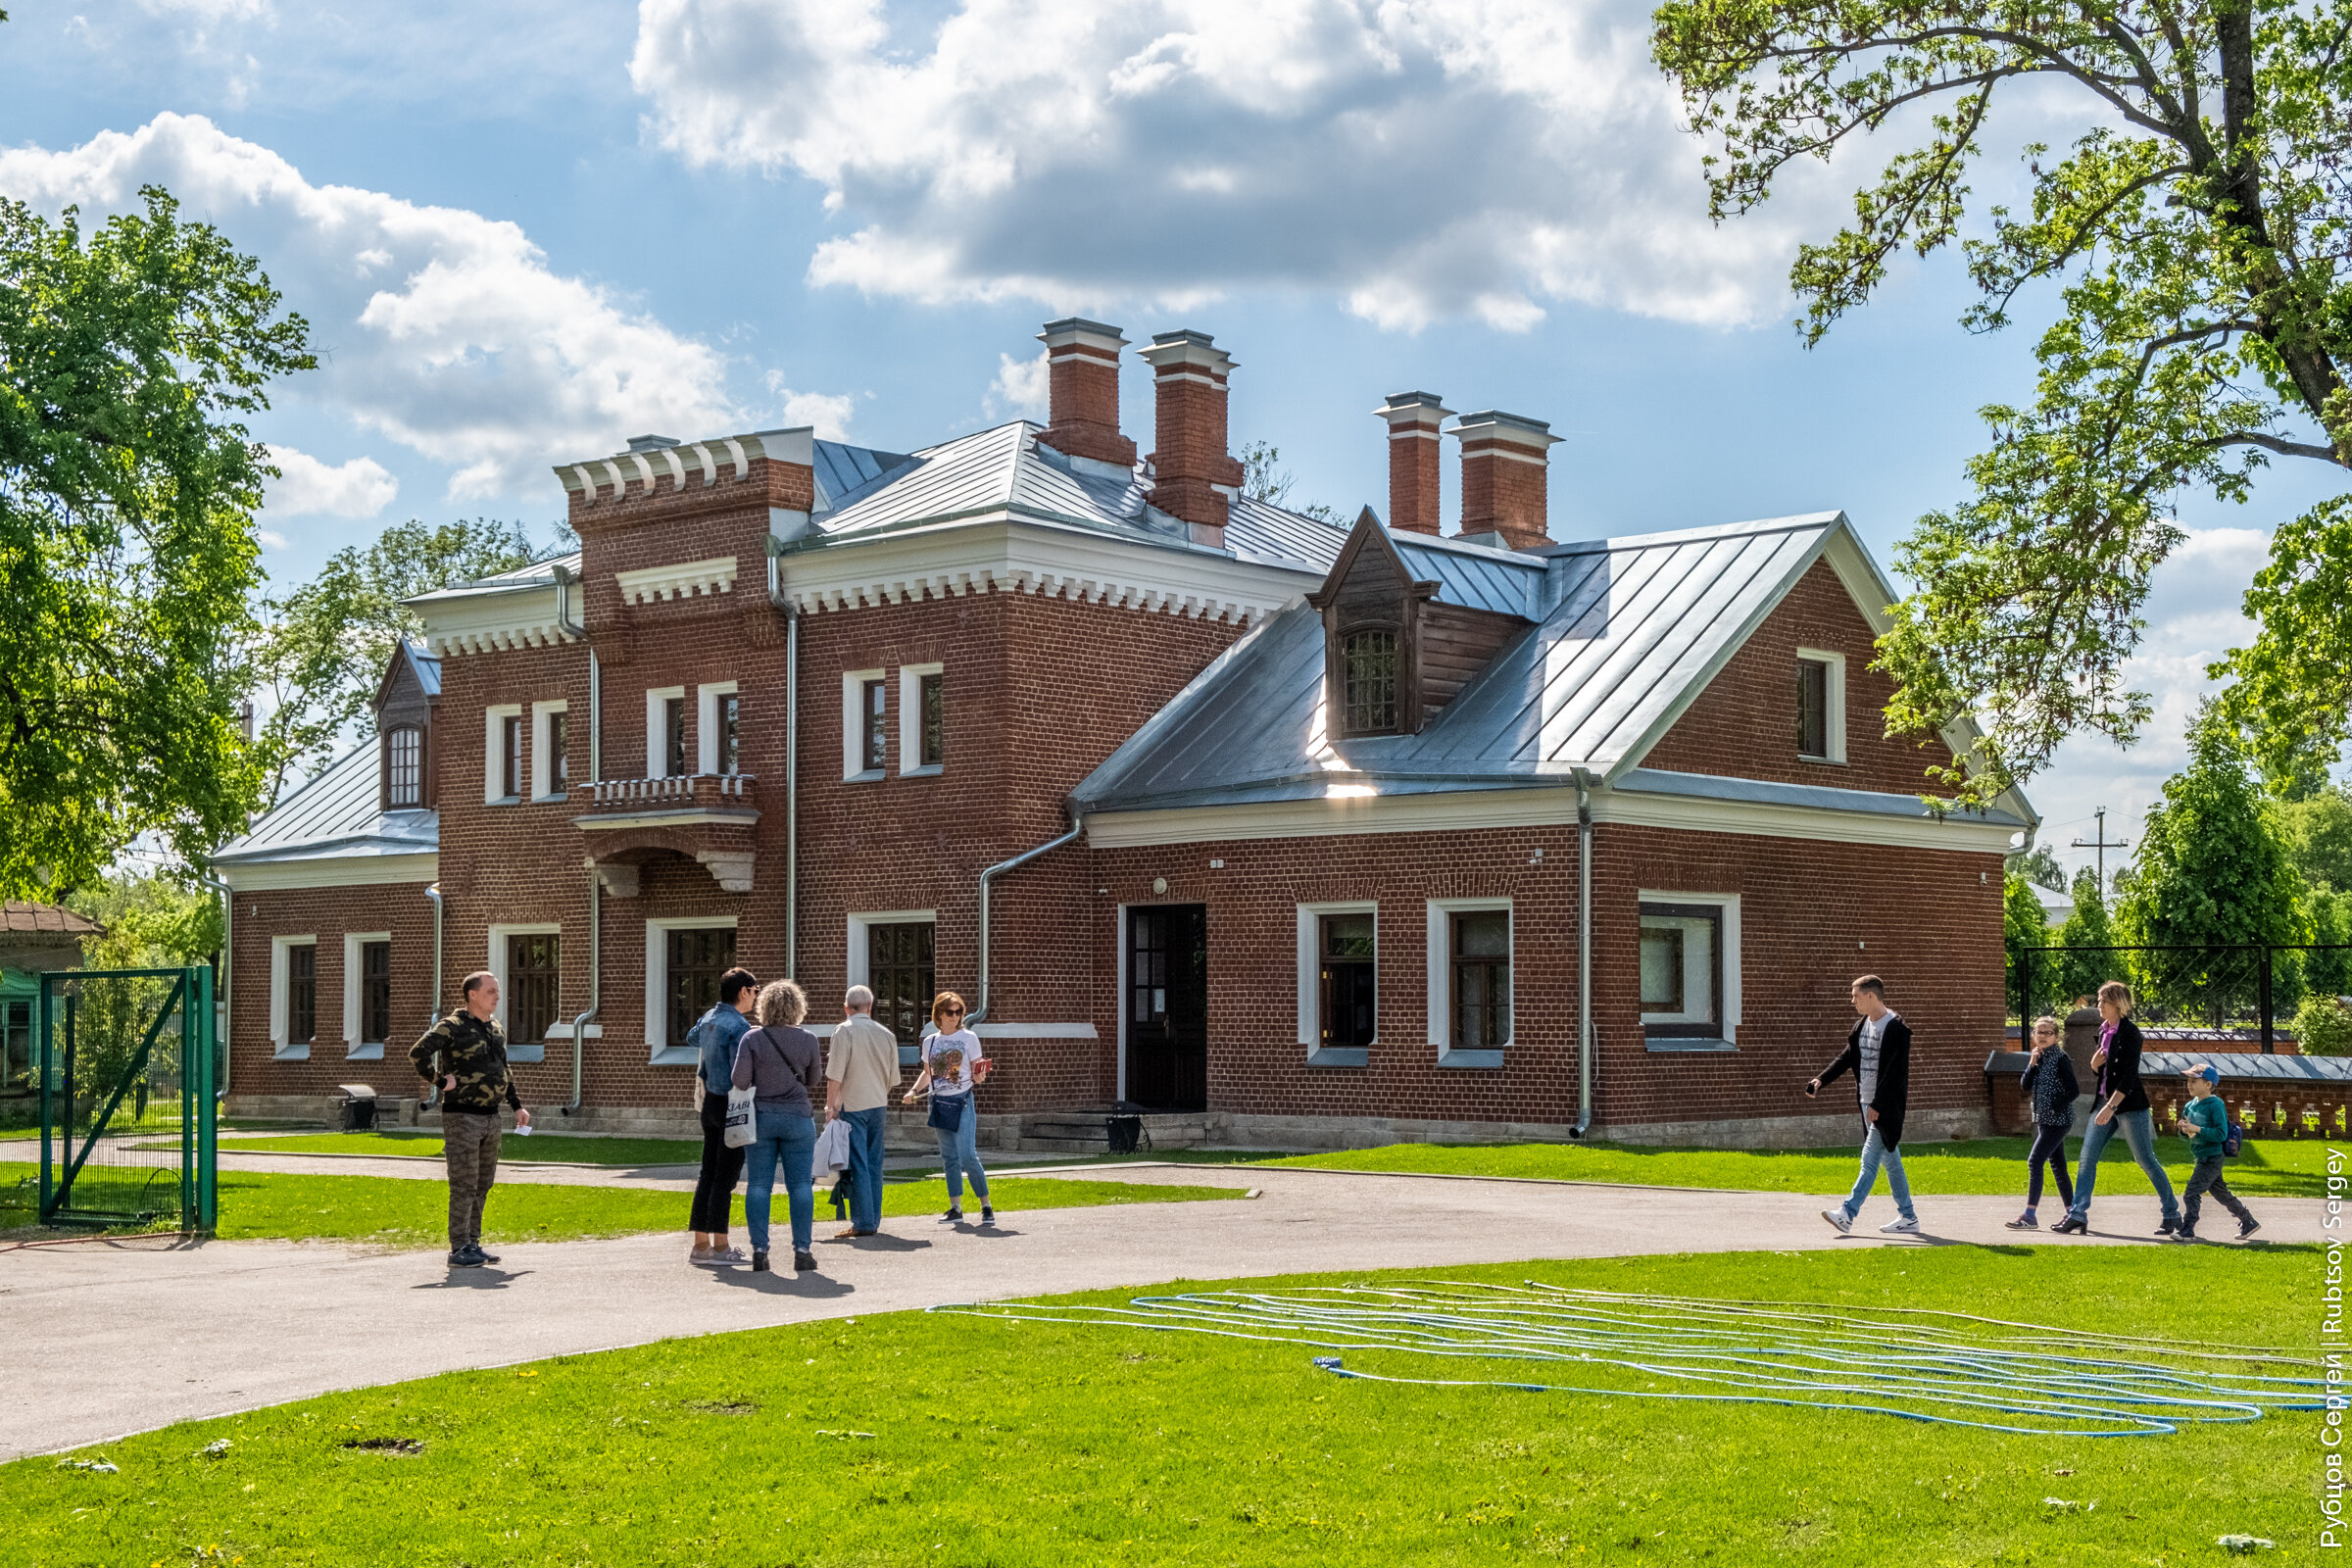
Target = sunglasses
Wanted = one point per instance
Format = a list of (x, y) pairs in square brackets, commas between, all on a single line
[(953, 1011)]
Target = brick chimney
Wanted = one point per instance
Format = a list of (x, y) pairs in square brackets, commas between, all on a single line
[(1082, 367), (1194, 473), (1413, 458), (1505, 473)]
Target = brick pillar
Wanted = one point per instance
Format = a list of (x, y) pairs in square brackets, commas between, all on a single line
[(1413, 458), (1505, 473), (1082, 367), (1194, 474)]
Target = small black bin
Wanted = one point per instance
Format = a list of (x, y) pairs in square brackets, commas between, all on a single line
[(358, 1108), (1124, 1133)]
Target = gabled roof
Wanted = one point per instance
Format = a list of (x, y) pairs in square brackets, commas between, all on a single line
[(427, 666), (1628, 631), (53, 919), (335, 815)]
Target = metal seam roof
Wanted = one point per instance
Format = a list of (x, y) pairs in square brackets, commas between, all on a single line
[(338, 810)]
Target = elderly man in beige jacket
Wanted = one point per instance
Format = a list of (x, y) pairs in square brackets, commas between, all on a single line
[(860, 1070)]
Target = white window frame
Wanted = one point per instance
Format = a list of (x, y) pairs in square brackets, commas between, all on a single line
[(911, 721), (356, 1049), (657, 982), (1729, 904), (1834, 700), (858, 971), (706, 725), (853, 728), (543, 750), (517, 1049), (282, 1002), (1311, 982), (494, 718), (1440, 982), (656, 738)]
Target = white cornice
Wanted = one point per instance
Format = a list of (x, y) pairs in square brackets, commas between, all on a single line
[(1014, 557), (332, 871), (685, 580), (479, 624), (1463, 810)]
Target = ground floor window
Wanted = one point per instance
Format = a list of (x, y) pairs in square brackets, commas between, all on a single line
[(302, 993), (1689, 971), (534, 971), (1349, 1007), (697, 956), (376, 991), (899, 970), (1480, 965), (16, 1044)]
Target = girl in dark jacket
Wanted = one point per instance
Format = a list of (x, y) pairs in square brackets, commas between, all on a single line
[(2049, 1088)]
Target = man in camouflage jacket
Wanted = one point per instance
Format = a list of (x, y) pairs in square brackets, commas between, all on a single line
[(465, 1054)]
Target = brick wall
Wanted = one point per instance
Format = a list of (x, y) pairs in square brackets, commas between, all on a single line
[(399, 908)]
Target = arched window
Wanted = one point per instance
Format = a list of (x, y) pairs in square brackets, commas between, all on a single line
[(404, 767), (1368, 673)]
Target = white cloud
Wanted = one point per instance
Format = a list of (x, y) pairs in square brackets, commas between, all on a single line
[(441, 328), (271, 538), (1022, 388), (307, 487), (1481, 158), (829, 412)]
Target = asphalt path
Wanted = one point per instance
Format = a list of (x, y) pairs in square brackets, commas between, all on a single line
[(116, 1337)]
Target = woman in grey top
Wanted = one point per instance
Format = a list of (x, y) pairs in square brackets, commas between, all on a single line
[(781, 1063)]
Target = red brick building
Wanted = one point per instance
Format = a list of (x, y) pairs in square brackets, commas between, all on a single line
[(1206, 805)]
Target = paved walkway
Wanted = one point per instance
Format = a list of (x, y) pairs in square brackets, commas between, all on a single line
[(123, 1337)]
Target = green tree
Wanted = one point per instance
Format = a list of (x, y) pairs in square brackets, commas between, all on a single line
[(326, 643), (2318, 830), (128, 558), (152, 920), (2087, 926), (2042, 868), (2196, 234), (2024, 926), (2212, 872), (1264, 478), (2327, 968)]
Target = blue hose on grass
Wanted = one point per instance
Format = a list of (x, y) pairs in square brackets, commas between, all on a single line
[(1800, 1355)]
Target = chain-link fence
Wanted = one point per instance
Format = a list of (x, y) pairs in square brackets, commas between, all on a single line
[(126, 1069), (2241, 993)]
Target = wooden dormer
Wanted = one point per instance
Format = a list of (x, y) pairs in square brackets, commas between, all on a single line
[(405, 703), (1395, 651)]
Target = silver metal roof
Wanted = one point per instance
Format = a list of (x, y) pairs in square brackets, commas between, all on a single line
[(1474, 576), (845, 473), (427, 667), (335, 815), (1629, 630)]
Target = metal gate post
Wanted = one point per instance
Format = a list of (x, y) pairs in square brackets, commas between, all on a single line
[(2263, 981), (207, 1215), (188, 1046), (48, 1070), (2024, 993)]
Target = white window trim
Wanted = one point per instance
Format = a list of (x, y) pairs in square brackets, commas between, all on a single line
[(706, 725), (656, 738), (1441, 983), (853, 726), (282, 1002), (910, 720), (1311, 972), (543, 750), (493, 752), (518, 1049), (856, 969), (1729, 903), (1119, 942), (356, 1049), (1834, 699), (657, 982)]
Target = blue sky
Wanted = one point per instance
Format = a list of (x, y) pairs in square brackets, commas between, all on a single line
[(525, 232)]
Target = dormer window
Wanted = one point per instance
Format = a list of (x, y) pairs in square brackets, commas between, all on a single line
[(404, 769), (1369, 681)]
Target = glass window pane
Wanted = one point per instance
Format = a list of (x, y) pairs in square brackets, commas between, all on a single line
[(1348, 936), (1661, 968), (1812, 708), (1485, 933), (1682, 970), (558, 751)]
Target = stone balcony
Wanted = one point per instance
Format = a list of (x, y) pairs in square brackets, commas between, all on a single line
[(705, 818)]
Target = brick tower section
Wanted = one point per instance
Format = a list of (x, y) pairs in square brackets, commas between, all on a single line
[(1194, 472), (1506, 479), (1082, 369), (1415, 459)]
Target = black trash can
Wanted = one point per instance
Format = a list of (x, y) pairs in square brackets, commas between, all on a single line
[(1124, 1133), (357, 1107)]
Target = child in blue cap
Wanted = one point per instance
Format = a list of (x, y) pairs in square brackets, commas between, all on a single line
[(2205, 1122)]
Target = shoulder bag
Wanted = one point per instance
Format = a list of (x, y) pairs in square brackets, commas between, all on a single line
[(740, 1129)]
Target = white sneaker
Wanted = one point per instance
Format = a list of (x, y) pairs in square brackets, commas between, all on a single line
[(723, 1258), (1840, 1218), (1899, 1227)]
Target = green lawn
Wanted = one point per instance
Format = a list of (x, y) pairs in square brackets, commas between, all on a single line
[(393, 1211), (955, 1441), (426, 1143), (2277, 1168)]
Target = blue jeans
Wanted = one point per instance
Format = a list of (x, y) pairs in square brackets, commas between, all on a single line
[(789, 1140), (866, 1167), (960, 1152), (1875, 1152), (2138, 1128)]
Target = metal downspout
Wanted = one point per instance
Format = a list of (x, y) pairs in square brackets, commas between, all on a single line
[(792, 759), (596, 719), (596, 974), (433, 1016), (228, 912), (987, 880), (1583, 954)]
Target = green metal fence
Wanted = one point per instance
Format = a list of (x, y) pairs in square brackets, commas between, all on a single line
[(129, 1065)]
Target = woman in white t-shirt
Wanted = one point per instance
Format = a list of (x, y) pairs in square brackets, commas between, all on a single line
[(951, 1066)]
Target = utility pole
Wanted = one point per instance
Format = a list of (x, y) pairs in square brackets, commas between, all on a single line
[(2101, 843)]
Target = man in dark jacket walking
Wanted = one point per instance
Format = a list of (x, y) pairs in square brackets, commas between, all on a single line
[(1878, 1053), (464, 1055)]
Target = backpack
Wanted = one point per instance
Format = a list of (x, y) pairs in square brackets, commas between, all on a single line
[(2234, 1140)]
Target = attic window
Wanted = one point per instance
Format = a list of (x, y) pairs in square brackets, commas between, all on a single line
[(1368, 675), (404, 767)]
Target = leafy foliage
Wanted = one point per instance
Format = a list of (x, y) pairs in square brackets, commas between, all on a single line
[(2318, 833), (1264, 478), (2323, 1028), (2042, 868), (2197, 233), (2023, 926), (2087, 926), (327, 642), (128, 558)]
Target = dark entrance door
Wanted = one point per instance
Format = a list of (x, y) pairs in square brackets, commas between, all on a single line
[(1167, 1006)]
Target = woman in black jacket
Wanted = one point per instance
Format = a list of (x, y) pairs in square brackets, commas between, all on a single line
[(2122, 1107), (2049, 1088)]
